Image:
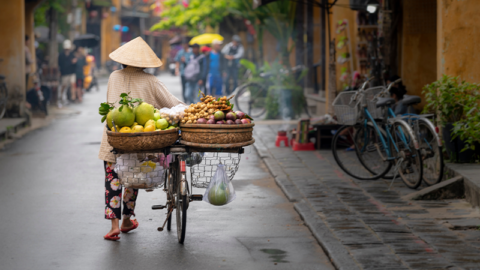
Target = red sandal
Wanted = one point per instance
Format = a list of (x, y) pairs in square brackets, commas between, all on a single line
[(135, 225), (113, 237)]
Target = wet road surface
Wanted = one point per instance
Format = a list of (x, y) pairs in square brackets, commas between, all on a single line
[(52, 209)]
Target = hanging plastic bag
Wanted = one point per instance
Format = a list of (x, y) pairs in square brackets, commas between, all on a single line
[(220, 190), (194, 158), (173, 115)]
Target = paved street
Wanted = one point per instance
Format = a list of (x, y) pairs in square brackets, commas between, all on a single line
[(52, 197), (363, 224)]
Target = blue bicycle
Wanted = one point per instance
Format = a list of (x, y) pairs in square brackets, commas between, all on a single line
[(372, 141)]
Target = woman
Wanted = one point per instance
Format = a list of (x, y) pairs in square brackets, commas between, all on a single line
[(134, 56), (397, 92)]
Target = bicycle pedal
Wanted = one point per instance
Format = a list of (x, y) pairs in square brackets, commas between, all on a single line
[(158, 207), (196, 197)]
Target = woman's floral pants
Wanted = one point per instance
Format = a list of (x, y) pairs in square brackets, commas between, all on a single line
[(113, 195)]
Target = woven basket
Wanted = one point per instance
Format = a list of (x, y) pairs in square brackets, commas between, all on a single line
[(131, 142), (216, 134)]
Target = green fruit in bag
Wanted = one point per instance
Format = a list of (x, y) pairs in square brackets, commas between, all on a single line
[(218, 195)]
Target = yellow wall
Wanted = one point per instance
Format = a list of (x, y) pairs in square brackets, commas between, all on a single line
[(459, 39), (419, 45), (12, 33), (110, 39)]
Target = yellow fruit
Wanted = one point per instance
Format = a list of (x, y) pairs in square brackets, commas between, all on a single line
[(134, 124), (113, 129), (149, 128), (149, 122), (125, 130), (137, 128)]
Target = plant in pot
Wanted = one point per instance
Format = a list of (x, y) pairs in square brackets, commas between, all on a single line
[(455, 103)]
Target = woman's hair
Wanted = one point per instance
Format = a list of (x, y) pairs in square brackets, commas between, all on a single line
[(398, 89)]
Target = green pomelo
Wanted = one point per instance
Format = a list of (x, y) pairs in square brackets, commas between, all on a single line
[(109, 119), (124, 118), (161, 124), (143, 113), (217, 196)]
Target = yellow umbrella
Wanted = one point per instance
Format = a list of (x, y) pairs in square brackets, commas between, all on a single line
[(205, 39)]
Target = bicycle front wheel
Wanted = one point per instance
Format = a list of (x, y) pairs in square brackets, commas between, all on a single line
[(251, 99), (181, 203), (351, 145), (410, 169), (431, 153)]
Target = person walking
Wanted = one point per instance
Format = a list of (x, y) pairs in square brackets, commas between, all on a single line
[(215, 65), (134, 56), (233, 52), (28, 60), (67, 65), (79, 72), (181, 60), (194, 75)]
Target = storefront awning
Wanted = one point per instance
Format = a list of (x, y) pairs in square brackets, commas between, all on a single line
[(102, 3)]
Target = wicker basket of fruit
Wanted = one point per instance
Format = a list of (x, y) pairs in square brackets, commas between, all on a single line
[(212, 121), (141, 127)]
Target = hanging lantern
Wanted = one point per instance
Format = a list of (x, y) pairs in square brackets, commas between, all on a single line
[(117, 27), (113, 9), (125, 29)]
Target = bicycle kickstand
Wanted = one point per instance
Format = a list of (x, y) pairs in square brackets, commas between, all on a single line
[(169, 213), (395, 171)]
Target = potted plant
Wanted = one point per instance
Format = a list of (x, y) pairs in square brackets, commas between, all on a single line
[(455, 102)]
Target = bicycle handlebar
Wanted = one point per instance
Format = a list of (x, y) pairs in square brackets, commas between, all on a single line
[(386, 90), (360, 91)]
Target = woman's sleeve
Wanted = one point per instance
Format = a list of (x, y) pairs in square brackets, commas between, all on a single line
[(163, 97)]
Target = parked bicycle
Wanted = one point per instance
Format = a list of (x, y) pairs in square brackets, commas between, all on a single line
[(426, 133), (3, 95), (366, 149)]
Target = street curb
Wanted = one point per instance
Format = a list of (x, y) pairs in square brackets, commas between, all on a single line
[(337, 253)]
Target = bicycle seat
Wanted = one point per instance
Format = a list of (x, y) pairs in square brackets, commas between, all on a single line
[(385, 101), (410, 100)]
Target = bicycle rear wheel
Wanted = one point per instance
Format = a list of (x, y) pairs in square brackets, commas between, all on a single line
[(346, 145), (251, 99), (181, 203), (410, 169), (431, 153)]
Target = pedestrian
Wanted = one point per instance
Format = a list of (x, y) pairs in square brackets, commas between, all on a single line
[(79, 72), (134, 56), (181, 61), (194, 74), (397, 92), (215, 65), (28, 60), (67, 65), (233, 52)]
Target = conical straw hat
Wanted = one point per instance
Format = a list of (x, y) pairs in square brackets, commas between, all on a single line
[(136, 53)]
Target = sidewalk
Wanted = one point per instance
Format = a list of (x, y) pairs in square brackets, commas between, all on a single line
[(362, 224)]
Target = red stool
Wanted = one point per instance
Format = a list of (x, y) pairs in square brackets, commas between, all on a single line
[(281, 137)]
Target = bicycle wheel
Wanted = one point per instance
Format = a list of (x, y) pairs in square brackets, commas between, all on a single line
[(251, 99), (371, 151), (345, 151), (431, 153), (181, 203), (410, 169), (3, 99)]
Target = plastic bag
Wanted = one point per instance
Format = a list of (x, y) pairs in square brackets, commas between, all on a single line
[(220, 190), (194, 159), (145, 171), (173, 115)]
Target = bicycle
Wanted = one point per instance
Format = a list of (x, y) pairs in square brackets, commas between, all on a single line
[(251, 97), (178, 187), (377, 149), (427, 136), (3, 95)]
